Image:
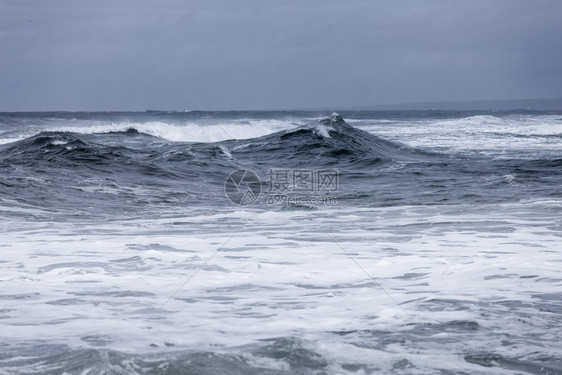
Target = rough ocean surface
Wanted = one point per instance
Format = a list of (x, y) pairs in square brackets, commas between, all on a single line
[(438, 252)]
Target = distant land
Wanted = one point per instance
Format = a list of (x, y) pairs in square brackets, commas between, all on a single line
[(528, 104)]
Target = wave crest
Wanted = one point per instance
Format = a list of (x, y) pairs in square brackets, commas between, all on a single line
[(176, 132)]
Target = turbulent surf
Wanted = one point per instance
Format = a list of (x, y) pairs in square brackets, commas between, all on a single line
[(407, 242)]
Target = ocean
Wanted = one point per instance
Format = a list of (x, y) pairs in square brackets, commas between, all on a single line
[(286, 242)]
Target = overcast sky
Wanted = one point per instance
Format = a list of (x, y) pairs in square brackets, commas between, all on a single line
[(226, 54)]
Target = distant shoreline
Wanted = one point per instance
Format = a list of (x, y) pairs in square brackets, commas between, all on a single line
[(513, 104)]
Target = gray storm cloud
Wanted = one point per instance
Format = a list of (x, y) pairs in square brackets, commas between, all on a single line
[(135, 55)]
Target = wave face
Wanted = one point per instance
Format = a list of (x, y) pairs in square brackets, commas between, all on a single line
[(328, 141), (371, 242), (130, 162)]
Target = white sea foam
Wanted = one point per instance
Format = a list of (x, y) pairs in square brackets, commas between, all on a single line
[(185, 132), (280, 275), (519, 136)]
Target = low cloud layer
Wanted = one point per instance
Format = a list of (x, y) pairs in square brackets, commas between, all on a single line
[(136, 55)]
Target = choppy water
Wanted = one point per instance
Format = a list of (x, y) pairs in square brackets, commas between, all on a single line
[(433, 247)]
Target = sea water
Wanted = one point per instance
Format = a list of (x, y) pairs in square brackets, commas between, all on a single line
[(405, 242)]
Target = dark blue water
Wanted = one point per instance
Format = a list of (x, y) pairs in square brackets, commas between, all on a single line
[(126, 172)]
